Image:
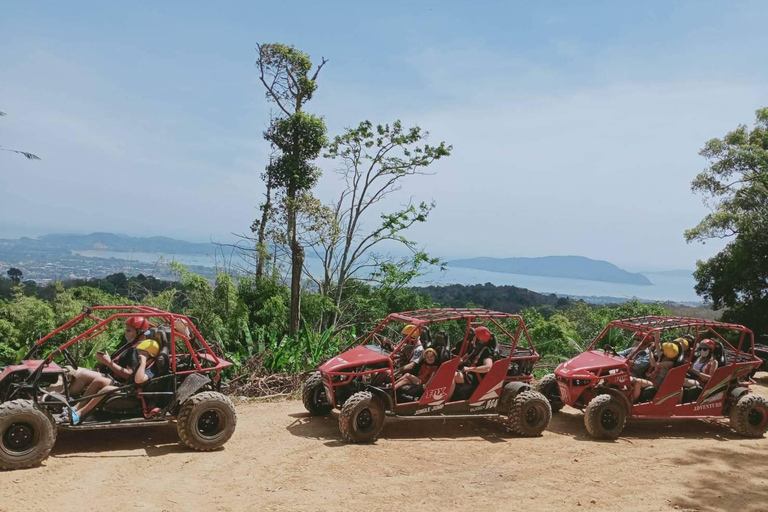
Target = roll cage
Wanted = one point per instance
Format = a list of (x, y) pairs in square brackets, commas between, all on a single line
[(176, 384), (203, 357), (473, 316), (699, 328)]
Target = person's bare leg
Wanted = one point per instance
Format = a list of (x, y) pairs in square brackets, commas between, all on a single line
[(95, 401), (82, 378), (96, 385), (457, 379), (639, 385)]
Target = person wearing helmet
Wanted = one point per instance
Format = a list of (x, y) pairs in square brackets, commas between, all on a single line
[(478, 361), (130, 357), (416, 380), (704, 366), (411, 335), (662, 359), (668, 352)]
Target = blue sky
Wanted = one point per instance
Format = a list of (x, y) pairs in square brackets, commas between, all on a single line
[(575, 125)]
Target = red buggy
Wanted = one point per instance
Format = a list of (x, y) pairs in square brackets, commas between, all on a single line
[(600, 381), (360, 382), (185, 388)]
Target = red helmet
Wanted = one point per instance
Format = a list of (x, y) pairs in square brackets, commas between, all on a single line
[(139, 323), (708, 343), (482, 334)]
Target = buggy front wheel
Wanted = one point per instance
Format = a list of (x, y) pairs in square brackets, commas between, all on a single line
[(547, 386), (27, 434), (314, 395), (605, 417), (361, 418)]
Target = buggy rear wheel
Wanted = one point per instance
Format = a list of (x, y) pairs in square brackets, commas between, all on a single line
[(206, 421), (314, 396), (530, 414), (27, 434), (605, 417), (547, 386), (361, 418), (749, 416)]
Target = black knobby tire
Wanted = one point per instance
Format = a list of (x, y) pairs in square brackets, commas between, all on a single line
[(27, 434), (361, 418), (529, 414), (508, 394), (206, 421), (314, 396), (547, 386), (749, 416), (605, 417)]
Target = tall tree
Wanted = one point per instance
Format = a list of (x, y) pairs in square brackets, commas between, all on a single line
[(298, 138), (15, 275), (374, 162), (735, 187), (27, 155)]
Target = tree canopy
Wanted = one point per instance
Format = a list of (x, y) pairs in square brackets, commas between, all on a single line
[(735, 187)]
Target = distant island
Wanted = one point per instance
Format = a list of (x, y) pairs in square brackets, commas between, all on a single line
[(572, 267)]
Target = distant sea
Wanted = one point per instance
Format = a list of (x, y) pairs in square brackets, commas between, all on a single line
[(665, 287)]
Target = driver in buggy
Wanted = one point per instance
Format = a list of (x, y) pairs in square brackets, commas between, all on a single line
[(477, 361), (128, 361)]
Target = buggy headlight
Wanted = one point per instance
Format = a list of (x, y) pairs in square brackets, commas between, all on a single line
[(581, 382)]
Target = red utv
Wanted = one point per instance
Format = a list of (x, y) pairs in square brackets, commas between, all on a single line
[(185, 388), (360, 382), (599, 381)]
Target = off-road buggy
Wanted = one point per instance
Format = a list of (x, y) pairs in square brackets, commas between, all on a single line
[(184, 389), (600, 381), (360, 382)]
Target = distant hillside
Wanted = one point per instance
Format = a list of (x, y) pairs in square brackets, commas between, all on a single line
[(573, 267), (106, 242), (509, 299)]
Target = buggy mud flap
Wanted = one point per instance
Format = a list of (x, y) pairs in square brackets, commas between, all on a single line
[(189, 387)]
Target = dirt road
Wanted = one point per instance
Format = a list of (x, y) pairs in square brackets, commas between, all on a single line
[(281, 459)]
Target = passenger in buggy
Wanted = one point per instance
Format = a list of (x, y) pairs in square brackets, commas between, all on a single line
[(662, 360), (128, 363), (412, 384), (704, 366)]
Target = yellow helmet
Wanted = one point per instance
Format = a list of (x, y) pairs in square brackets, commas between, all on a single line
[(151, 347), (684, 343), (670, 350), (408, 329)]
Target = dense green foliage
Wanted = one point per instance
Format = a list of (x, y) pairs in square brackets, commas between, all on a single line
[(243, 318), (249, 317), (735, 185), (499, 298)]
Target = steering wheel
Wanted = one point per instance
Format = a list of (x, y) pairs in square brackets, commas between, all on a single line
[(609, 350), (69, 358)]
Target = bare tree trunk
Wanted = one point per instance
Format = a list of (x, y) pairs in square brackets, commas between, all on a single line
[(261, 252), (297, 265)]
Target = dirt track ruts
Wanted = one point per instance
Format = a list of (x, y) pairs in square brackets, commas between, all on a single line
[(281, 459)]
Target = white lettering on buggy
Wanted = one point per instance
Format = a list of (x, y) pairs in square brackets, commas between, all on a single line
[(705, 406), (490, 404), (425, 410), (437, 394)]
